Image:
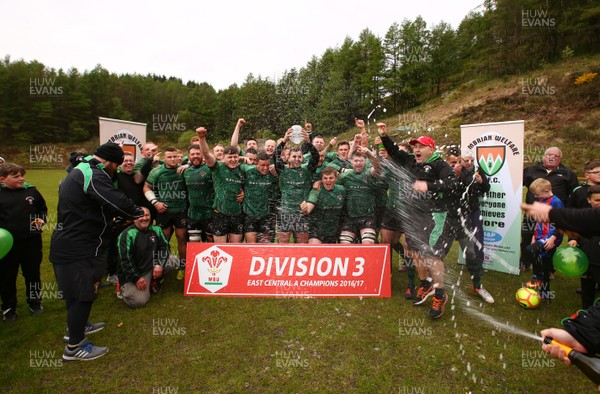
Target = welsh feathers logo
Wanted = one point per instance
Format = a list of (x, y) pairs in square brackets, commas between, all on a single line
[(491, 158), (213, 267)]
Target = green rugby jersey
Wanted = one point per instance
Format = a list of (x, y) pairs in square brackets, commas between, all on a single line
[(295, 184), (396, 190), (200, 192), (228, 183), (169, 188), (328, 208), (360, 192), (259, 191), (338, 164)]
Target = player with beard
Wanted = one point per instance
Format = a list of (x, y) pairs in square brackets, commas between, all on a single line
[(165, 189), (199, 183)]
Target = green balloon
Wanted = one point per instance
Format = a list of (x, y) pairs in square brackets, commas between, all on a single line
[(570, 261), (6, 242)]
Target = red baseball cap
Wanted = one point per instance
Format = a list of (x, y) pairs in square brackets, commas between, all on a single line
[(424, 140)]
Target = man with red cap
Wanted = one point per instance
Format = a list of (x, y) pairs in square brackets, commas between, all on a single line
[(430, 179), (87, 203)]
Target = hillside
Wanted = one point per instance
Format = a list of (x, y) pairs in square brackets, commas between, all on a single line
[(555, 109), (557, 112)]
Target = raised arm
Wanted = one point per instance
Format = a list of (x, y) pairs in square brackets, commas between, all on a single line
[(313, 162), (363, 132), (397, 154), (279, 164), (331, 144), (141, 176), (354, 144), (209, 157), (235, 137), (376, 169)]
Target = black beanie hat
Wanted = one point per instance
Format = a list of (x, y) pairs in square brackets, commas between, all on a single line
[(111, 152)]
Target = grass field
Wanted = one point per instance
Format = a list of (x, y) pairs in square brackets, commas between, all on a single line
[(280, 345)]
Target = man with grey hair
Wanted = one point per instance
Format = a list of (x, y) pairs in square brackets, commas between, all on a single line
[(562, 179)]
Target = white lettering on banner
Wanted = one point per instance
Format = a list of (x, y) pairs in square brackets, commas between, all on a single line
[(289, 271), (324, 266)]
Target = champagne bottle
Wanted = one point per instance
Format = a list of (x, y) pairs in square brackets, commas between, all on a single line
[(590, 366)]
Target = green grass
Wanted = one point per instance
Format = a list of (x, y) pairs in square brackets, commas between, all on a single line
[(220, 345)]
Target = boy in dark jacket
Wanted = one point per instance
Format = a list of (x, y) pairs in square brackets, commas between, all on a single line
[(22, 213)]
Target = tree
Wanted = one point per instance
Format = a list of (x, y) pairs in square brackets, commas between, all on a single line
[(416, 60), (392, 49), (444, 55)]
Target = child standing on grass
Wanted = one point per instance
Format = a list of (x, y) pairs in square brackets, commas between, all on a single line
[(22, 213), (546, 238)]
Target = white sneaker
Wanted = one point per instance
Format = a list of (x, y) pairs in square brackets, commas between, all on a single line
[(483, 293)]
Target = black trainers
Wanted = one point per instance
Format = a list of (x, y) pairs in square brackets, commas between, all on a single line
[(84, 351), (90, 328), (422, 294), (437, 309), (155, 286), (9, 315)]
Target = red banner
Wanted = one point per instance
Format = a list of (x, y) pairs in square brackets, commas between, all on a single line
[(259, 270)]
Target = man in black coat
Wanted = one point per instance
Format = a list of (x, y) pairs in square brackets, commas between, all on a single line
[(87, 204)]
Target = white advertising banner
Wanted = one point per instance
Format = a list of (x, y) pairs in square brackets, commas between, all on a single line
[(498, 152), (131, 134)]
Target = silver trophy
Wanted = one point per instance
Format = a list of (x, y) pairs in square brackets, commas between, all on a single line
[(296, 137)]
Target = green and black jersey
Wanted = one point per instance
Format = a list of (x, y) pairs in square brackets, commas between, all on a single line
[(169, 188), (140, 251), (329, 205), (199, 183), (259, 191), (228, 183), (340, 164), (295, 183), (360, 192)]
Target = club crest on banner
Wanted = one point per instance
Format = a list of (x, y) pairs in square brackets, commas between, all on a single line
[(213, 267), (491, 158)]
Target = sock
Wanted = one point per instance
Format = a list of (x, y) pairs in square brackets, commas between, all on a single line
[(398, 248), (410, 271)]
